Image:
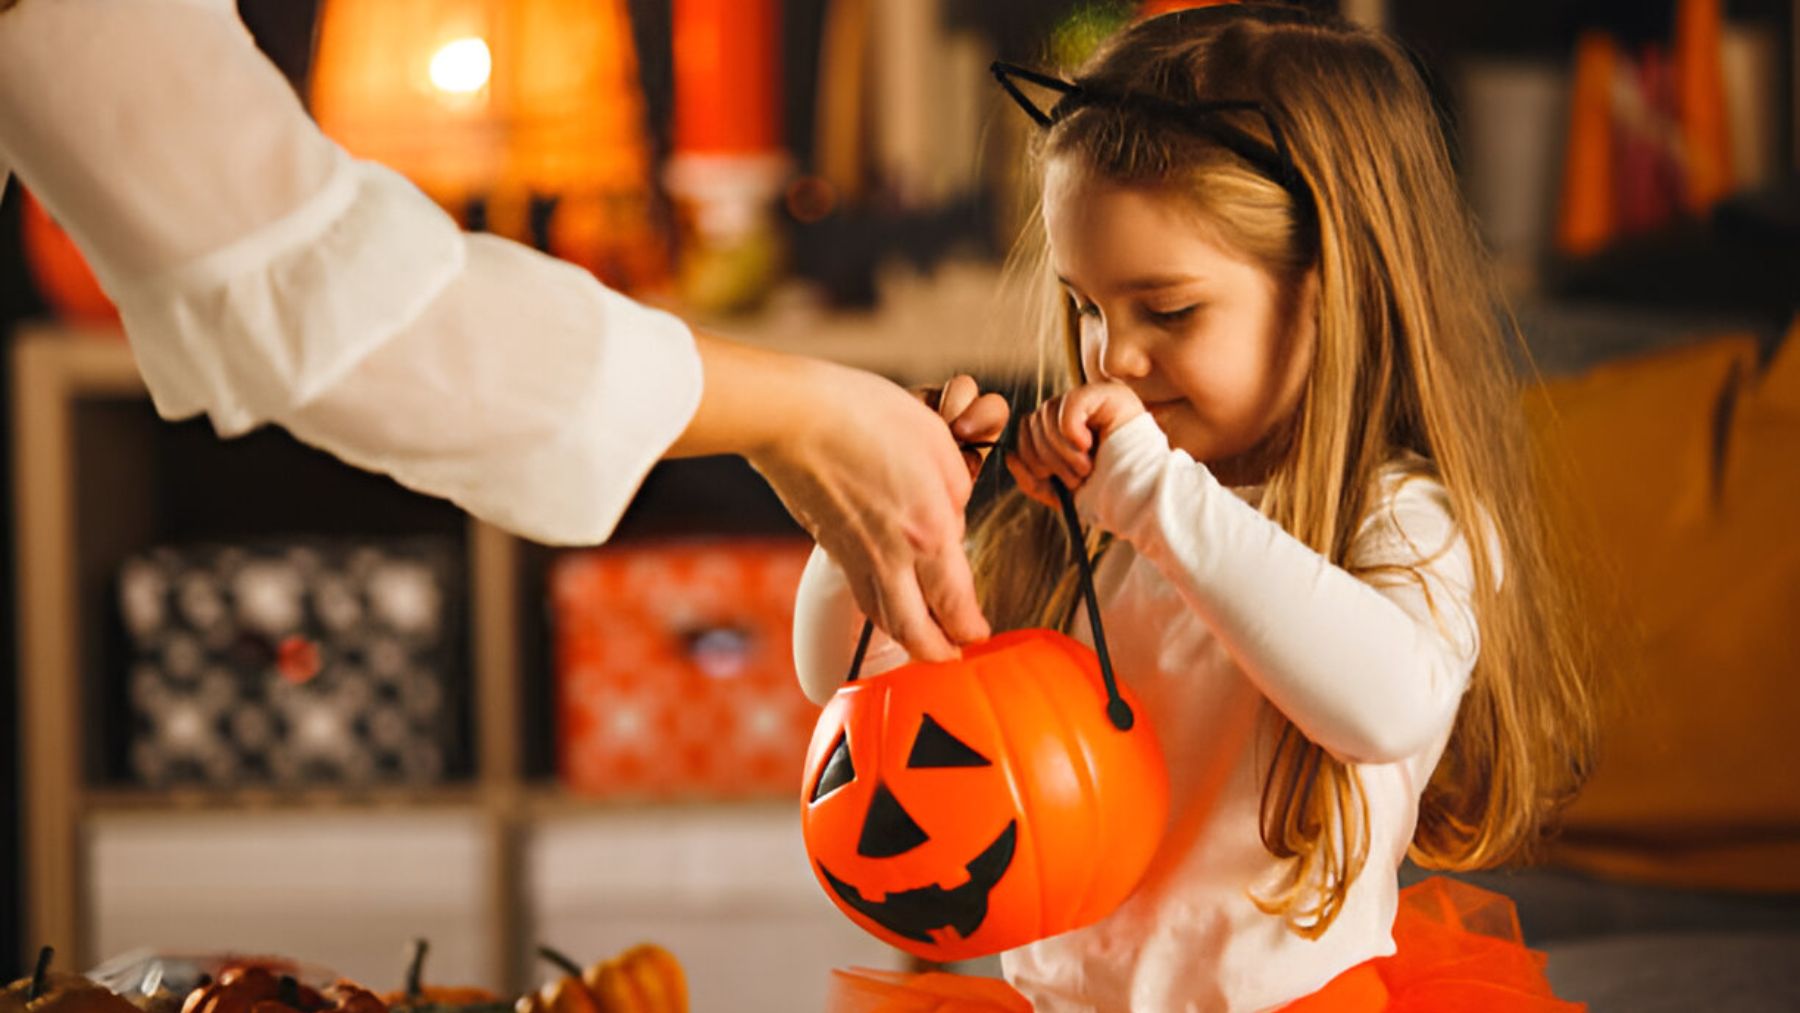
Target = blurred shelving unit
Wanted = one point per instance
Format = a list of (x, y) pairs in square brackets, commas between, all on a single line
[(86, 462), (58, 375)]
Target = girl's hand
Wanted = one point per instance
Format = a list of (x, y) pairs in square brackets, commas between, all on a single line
[(973, 417), (1062, 435)]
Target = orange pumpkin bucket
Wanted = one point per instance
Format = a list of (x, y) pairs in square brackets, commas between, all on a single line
[(957, 809)]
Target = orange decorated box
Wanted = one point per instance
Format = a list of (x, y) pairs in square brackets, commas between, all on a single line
[(674, 669)]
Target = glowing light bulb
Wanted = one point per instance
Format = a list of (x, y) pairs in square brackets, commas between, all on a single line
[(461, 66)]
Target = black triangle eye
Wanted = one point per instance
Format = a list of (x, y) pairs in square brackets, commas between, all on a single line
[(838, 770), (936, 747)]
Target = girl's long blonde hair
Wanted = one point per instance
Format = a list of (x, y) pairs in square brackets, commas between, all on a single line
[(1412, 356)]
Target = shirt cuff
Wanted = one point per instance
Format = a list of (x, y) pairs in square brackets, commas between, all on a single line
[(1122, 485)]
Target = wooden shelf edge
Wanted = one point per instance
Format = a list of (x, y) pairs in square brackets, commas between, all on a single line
[(90, 362), (550, 801), (106, 801)]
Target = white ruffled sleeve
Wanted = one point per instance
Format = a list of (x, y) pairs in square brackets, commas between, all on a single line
[(250, 332), (265, 276)]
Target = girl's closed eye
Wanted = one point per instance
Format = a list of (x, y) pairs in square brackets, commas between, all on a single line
[(1171, 316)]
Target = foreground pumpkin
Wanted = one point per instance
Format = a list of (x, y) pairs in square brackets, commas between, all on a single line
[(643, 979), (47, 992), (257, 989), (418, 997), (566, 994)]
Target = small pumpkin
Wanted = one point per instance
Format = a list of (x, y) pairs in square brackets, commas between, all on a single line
[(256, 988), (249, 986), (346, 996), (567, 994), (418, 997), (644, 979), (47, 992)]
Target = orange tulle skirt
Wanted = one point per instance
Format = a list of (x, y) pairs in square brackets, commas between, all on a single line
[(860, 990), (1459, 951)]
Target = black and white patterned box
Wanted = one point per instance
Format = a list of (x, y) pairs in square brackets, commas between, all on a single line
[(312, 663)]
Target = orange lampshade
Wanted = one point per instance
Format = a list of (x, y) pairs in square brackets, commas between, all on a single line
[(467, 97), (530, 109)]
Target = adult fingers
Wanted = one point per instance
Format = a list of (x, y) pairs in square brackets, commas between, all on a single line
[(900, 609), (957, 394), (982, 420), (947, 584)]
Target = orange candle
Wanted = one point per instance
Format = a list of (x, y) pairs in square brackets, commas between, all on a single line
[(727, 76)]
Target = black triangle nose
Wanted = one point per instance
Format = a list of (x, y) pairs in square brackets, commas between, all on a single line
[(888, 830)]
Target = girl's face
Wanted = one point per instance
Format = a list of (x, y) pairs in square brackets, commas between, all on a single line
[(1217, 348)]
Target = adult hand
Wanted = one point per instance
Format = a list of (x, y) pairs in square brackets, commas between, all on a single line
[(976, 420), (876, 478)]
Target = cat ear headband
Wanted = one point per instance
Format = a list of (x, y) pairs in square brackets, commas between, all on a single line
[(1212, 120)]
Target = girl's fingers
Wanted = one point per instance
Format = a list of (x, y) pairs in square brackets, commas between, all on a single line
[(1072, 459), (1072, 418), (1054, 455), (1029, 483)]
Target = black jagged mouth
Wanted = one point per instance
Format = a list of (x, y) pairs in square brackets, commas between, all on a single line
[(912, 914)]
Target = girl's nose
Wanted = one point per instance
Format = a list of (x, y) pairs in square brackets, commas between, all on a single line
[(1122, 357)]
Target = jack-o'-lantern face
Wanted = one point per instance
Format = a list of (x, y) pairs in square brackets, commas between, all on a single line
[(962, 808)]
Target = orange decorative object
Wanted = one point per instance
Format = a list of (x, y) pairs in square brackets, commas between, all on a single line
[(58, 269), (644, 979), (565, 994), (727, 76), (1700, 102), (1586, 220), (517, 108), (961, 808), (422, 998), (674, 667)]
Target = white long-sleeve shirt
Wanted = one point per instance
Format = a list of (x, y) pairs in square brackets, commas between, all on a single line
[(264, 275), (1214, 614)]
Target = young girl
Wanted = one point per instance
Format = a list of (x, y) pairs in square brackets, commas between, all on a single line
[(1288, 410)]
